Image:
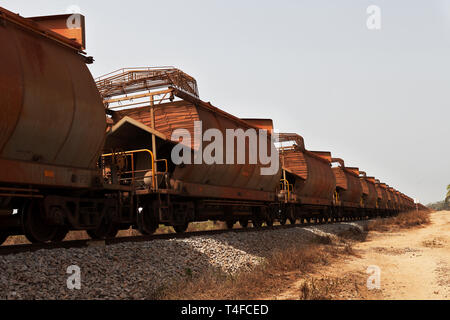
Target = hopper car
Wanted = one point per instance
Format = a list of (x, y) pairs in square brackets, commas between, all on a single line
[(96, 155)]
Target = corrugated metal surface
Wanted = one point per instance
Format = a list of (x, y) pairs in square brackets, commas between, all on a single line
[(266, 124), (364, 186), (295, 161), (371, 197), (341, 178), (181, 115), (394, 200), (348, 185), (388, 193), (168, 117), (382, 195), (315, 171)]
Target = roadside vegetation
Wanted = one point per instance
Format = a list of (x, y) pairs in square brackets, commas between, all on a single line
[(441, 205), (282, 268), (403, 220)]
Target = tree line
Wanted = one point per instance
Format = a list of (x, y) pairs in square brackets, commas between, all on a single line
[(442, 205)]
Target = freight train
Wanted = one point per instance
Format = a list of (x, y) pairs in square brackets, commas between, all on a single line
[(97, 155)]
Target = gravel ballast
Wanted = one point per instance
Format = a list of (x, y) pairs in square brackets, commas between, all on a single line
[(140, 270)]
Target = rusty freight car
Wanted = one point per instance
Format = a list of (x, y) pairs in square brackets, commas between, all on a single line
[(222, 190), (52, 130), (370, 194), (382, 198), (138, 148), (349, 191), (394, 200), (307, 179)]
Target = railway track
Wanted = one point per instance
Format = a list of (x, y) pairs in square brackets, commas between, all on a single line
[(74, 244)]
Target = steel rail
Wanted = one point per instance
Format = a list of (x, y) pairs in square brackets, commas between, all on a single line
[(89, 243)]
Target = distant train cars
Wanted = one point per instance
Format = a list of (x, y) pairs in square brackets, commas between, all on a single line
[(80, 154)]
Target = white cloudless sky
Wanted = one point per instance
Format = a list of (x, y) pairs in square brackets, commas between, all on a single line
[(378, 99)]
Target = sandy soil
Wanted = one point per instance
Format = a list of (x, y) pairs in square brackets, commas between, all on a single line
[(414, 263)]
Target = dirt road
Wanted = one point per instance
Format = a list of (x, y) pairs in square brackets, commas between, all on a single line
[(414, 264)]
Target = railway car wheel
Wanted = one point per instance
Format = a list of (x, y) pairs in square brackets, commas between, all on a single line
[(230, 224), (34, 226), (60, 234), (257, 223), (291, 215), (106, 230), (243, 223), (283, 221), (182, 228), (269, 222), (3, 237), (146, 223)]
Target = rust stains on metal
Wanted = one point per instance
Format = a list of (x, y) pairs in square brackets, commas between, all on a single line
[(130, 80), (348, 184), (52, 113), (31, 26), (168, 115), (264, 124), (369, 190), (314, 181), (59, 25)]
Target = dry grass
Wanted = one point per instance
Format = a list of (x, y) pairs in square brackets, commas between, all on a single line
[(347, 286), (284, 267), (320, 289), (281, 268), (405, 220), (434, 243)]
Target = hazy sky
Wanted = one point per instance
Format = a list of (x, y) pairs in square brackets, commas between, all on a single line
[(378, 99)]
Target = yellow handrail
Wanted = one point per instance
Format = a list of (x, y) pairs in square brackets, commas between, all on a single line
[(132, 153), (285, 184), (336, 196), (167, 164)]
